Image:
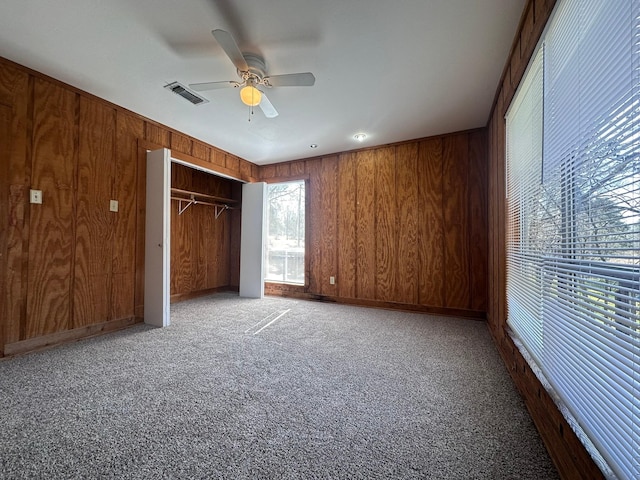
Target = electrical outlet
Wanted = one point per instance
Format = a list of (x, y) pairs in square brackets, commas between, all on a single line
[(332, 280), (113, 205), (35, 196)]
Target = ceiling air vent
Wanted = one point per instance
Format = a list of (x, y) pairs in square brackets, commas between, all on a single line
[(184, 92)]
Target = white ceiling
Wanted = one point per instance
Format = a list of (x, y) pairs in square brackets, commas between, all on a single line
[(393, 69)]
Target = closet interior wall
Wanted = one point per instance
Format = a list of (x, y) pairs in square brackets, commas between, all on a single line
[(205, 255)]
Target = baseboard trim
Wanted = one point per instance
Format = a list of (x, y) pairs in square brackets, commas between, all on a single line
[(45, 341), (181, 297), (295, 291)]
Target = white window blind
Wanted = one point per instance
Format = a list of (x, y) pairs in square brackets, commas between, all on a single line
[(524, 170), (585, 326)]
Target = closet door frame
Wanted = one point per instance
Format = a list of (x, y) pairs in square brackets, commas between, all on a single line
[(157, 253), (157, 282), (253, 236)]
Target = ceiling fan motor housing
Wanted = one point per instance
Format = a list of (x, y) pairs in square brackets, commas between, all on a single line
[(257, 67)]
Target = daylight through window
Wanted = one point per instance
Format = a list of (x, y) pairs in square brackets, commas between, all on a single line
[(286, 233), (573, 220)]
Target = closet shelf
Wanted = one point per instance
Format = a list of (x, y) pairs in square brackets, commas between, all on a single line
[(177, 191)]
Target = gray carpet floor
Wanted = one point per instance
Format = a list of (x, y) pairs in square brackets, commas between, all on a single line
[(272, 388)]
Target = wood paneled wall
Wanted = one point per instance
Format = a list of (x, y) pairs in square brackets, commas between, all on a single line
[(567, 452), (70, 267), (401, 225)]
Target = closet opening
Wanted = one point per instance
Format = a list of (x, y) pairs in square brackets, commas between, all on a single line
[(192, 233), (205, 232)]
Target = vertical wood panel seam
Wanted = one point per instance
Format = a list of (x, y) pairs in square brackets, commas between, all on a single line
[(418, 219), (355, 221), (26, 237), (443, 229), (375, 226), (320, 195), (469, 224), (396, 233), (421, 183), (6, 127), (71, 321), (395, 267), (486, 213), (336, 232), (421, 192), (394, 264), (113, 219), (228, 230)]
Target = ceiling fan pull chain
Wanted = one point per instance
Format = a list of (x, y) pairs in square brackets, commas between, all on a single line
[(253, 90)]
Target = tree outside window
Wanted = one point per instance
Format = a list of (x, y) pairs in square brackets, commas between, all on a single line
[(286, 232)]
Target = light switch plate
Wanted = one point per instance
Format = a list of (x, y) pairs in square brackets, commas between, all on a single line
[(35, 196), (113, 205)]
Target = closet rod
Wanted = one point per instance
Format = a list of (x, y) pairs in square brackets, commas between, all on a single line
[(219, 207), (203, 195)]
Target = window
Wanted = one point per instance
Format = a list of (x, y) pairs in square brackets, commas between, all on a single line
[(573, 220), (286, 232), (525, 206)]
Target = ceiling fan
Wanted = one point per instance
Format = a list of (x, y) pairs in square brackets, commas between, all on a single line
[(252, 72)]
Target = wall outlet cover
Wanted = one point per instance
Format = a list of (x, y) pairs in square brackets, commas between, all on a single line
[(35, 196), (113, 205)]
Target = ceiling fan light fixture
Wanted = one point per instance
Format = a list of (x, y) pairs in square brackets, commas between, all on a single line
[(250, 95)]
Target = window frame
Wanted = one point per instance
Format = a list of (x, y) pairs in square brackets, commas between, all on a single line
[(303, 287)]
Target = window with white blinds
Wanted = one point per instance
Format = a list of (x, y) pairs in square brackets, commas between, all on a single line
[(524, 174), (573, 228)]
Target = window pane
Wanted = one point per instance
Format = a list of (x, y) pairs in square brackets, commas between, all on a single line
[(285, 242)]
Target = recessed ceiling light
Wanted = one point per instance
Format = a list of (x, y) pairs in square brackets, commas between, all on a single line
[(360, 137), (313, 145)]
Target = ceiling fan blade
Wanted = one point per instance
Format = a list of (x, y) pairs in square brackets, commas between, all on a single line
[(201, 87), (231, 48), (292, 80), (267, 107)]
